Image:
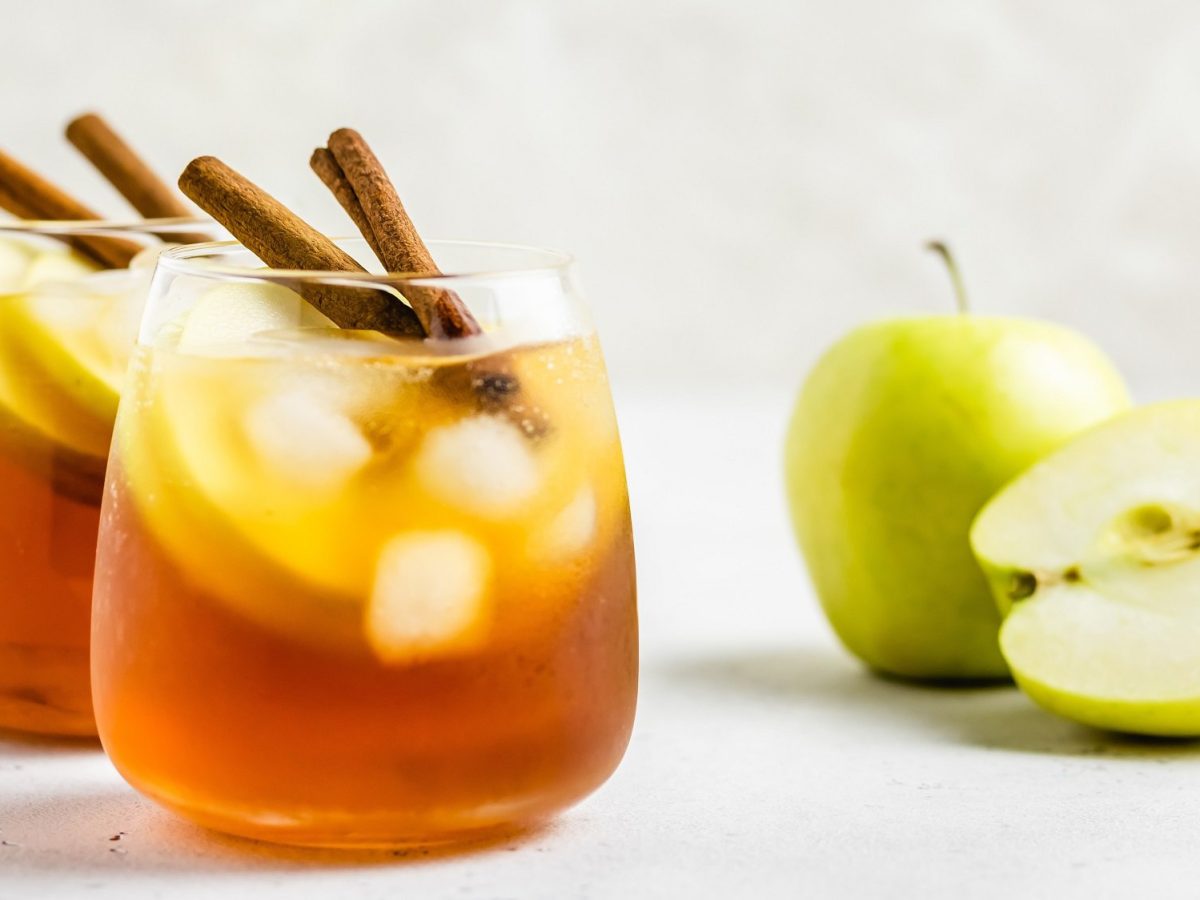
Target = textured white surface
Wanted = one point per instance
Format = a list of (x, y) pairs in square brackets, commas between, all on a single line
[(764, 762), (729, 162)]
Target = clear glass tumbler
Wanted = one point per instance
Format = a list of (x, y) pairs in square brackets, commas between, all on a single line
[(67, 329), (355, 590)]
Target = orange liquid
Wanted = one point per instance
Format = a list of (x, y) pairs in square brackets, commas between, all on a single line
[(47, 550), (246, 731), (220, 694)]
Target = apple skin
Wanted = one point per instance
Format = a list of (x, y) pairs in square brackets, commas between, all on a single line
[(901, 433), (1174, 719)]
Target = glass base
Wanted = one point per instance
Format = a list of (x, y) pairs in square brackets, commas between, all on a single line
[(377, 830), (45, 690)]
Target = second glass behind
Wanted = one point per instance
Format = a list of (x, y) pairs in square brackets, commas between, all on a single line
[(71, 299), (355, 590)]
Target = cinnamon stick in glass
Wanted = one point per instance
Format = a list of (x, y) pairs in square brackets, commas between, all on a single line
[(283, 240), (360, 183), (358, 180), (28, 195), (128, 173)]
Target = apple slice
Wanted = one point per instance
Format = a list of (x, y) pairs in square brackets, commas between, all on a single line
[(62, 352), (57, 266), (1093, 554), (268, 445), (58, 374), (229, 314), (15, 259)]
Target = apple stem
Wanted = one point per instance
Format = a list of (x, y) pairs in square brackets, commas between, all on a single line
[(960, 291)]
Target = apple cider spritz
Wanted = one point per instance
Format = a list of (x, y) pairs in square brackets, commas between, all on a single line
[(72, 288), (357, 588), (67, 326)]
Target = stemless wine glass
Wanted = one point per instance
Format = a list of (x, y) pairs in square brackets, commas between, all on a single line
[(67, 328), (355, 590)]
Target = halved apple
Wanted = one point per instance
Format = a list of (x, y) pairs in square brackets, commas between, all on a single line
[(1093, 554)]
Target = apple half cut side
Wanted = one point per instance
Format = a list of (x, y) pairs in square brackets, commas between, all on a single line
[(1093, 555)]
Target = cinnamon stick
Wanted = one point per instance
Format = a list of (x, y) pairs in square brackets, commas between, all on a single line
[(357, 179), (10, 199), (281, 239), (28, 195), (129, 174), (360, 184), (328, 170)]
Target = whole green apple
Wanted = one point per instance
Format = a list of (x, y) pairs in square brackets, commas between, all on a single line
[(901, 433)]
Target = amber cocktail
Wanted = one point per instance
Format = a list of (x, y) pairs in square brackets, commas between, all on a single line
[(355, 589), (67, 327)]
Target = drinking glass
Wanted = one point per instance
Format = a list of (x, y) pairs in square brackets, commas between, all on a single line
[(356, 590), (67, 328)]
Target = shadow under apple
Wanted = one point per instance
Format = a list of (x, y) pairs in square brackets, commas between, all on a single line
[(993, 716)]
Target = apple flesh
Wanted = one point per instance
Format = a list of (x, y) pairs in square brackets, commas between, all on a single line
[(1094, 556), (901, 433), (15, 260), (229, 314), (62, 353)]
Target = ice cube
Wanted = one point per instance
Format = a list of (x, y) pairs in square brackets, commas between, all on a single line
[(430, 595), (482, 465), (302, 439), (570, 531)]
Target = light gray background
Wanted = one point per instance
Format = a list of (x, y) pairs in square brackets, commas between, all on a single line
[(741, 181)]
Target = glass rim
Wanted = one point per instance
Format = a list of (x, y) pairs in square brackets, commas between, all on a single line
[(197, 260), (59, 227)]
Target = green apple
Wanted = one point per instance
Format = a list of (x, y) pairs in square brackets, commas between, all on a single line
[(901, 433), (1094, 556)]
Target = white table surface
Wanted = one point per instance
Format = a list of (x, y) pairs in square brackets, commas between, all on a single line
[(765, 762)]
